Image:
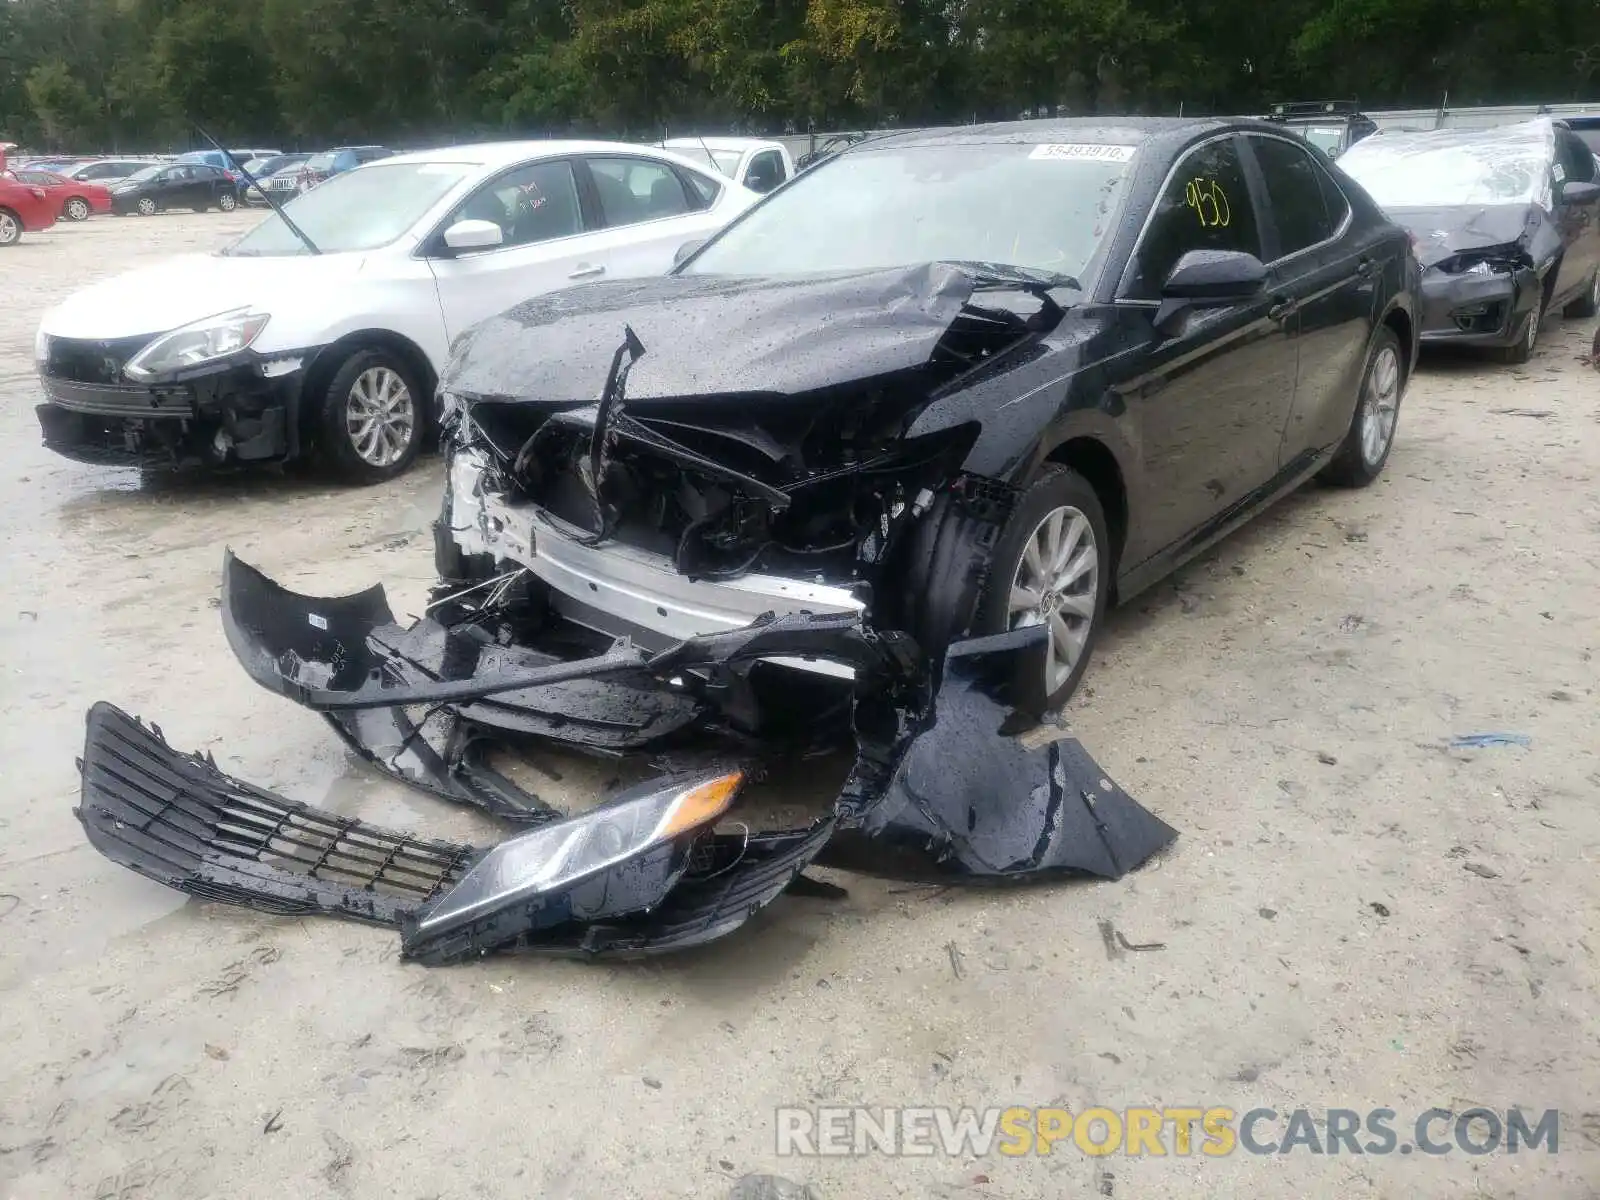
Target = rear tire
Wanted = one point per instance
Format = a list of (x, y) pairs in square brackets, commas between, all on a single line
[(227, 202), (76, 209), (10, 227), (148, 207), (1051, 566), (1365, 449), (375, 416), (1588, 304)]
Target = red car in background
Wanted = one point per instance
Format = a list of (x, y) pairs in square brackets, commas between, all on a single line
[(24, 208), (74, 199)]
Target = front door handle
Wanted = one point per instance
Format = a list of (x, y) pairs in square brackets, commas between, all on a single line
[(587, 272), (1281, 308)]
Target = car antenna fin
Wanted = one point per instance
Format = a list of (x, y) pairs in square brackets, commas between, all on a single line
[(266, 195)]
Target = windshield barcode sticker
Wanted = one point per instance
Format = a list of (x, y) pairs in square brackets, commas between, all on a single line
[(1083, 150)]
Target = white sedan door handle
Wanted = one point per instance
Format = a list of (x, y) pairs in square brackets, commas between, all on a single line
[(587, 272)]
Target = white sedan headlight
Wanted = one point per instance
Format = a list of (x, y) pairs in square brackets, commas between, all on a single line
[(190, 345)]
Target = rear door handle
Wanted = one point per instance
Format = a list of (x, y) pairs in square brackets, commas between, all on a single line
[(1365, 267), (587, 272), (1281, 308)]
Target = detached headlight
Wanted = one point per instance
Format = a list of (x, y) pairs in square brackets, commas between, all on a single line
[(211, 338), (561, 854)]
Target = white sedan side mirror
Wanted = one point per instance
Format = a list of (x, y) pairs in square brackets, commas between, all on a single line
[(473, 235)]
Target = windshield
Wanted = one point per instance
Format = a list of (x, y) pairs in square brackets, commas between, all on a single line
[(1455, 168), (320, 162), (724, 162), (145, 174), (1047, 208), (357, 210)]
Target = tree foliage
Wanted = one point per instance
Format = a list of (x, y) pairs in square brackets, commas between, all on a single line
[(132, 74)]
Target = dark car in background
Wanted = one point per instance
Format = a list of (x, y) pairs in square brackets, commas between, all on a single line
[(329, 163), (1506, 222), (1587, 128), (193, 185), (277, 174), (1332, 126)]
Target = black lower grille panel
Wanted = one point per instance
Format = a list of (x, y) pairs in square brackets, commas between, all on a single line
[(177, 819)]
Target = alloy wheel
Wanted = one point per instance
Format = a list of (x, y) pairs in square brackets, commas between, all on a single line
[(1380, 402), (380, 417), (1531, 337), (77, 209), (10, 229), (226, 202), (147, 207), (1056, 584)]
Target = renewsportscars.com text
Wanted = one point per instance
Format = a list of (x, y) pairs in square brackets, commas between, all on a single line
[(1152, 1132)]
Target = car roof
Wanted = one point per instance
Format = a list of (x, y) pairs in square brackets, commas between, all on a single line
[(1537, 130), (1098, 131), (501, 154)]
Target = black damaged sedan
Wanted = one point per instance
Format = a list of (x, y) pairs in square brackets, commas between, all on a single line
[(863, 473), (964, 381)]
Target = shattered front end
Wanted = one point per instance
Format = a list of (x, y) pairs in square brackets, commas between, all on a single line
[(721, 590)]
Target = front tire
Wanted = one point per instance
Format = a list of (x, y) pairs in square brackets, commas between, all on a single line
[(1051, 566), (374, 417), (1365, 449), (76, 209)]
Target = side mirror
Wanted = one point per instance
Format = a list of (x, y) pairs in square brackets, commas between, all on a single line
[(1209, 279), (686, 250), (473, 235), (1579, 193)]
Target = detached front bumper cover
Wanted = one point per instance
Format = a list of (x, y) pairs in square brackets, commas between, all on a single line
[(939, 786)]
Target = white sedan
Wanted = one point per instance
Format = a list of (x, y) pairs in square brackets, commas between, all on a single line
[(325, 333)]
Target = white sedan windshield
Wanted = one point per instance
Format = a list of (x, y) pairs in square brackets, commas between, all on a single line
[(1043, 207), (357, 210), (1455, 168)]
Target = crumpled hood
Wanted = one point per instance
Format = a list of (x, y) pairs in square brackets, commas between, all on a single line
[(155, 299), (1443, 232), (788, 335)]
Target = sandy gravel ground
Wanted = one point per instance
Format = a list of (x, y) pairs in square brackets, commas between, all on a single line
[(1355, 916)]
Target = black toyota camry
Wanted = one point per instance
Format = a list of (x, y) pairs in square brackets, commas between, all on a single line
[(968, 379), (868, 466)]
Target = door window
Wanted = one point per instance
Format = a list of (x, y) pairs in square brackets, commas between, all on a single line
[(531, 204), (1294, 192), (703, 190), (1205, 206), (765, 173), (1577, 162), (637, 189)]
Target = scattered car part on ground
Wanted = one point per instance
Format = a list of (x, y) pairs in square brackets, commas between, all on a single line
[(75, 200), (939, 784), (1506, 222), (24, 208), (275, 348), (811, 425)]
